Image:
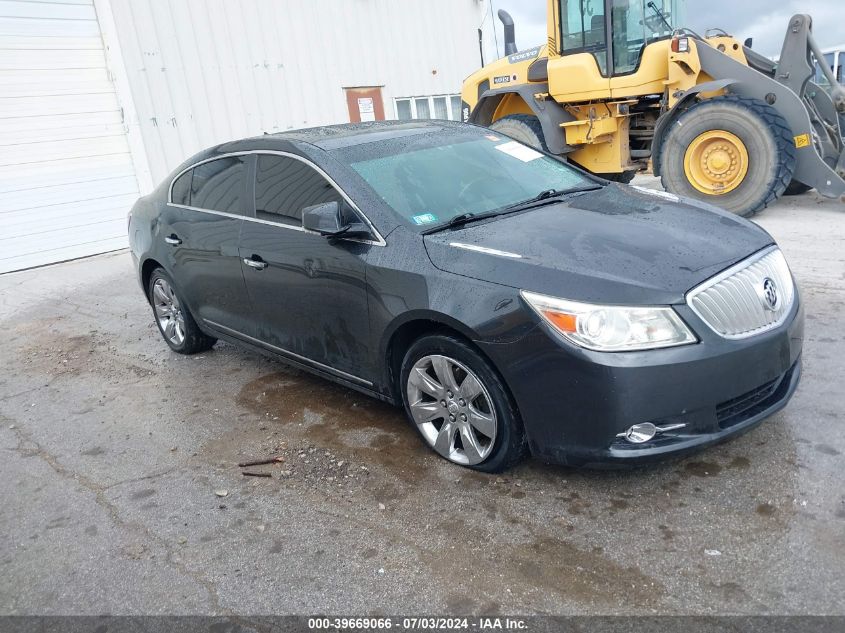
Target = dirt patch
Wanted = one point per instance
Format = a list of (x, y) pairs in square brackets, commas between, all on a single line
[(339, 420)]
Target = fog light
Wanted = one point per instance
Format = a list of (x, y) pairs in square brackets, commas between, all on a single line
[(640, 433)]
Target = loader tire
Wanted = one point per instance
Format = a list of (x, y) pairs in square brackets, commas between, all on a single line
[(734, 152), (523, 128), (796, 188)]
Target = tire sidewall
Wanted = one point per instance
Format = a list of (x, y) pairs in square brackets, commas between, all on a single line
[(507, 447), (760, 143)]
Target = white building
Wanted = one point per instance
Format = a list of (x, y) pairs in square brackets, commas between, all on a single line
[(100, 99)]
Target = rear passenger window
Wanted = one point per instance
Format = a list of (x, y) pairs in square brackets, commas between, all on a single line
[(180, 192), (284, 186), (218, 185)]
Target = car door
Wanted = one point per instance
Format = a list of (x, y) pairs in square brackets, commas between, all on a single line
[(201, 229), (308, 292)]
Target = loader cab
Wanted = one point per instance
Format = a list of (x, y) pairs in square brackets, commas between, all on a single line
[(834, 58), (615, 32)]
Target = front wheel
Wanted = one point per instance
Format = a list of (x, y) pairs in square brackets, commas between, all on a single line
[(733, 152), (524, 128), (460, 406)]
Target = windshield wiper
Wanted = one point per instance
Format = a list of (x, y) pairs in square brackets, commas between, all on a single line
[(548, 194), (460, 220), (660, 14)]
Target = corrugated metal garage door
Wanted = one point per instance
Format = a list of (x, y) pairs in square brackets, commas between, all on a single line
[(66, 174)]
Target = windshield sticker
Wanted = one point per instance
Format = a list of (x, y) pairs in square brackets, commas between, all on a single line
[(425, 218), (520, 151), (490, 137)]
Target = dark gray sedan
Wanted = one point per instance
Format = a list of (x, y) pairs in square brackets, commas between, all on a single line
[(509, 302)]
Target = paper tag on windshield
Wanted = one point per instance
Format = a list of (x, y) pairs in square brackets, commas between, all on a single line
[(520, 151)]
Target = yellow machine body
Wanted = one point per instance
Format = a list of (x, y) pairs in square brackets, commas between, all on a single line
[(598, 137)]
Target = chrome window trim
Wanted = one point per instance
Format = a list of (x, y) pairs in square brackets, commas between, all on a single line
[(379, 241), (293, 355), (729, 272)]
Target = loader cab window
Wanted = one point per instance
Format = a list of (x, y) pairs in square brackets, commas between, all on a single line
[(583, 29), (635, 25)]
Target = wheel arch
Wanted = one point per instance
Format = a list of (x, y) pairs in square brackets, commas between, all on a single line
[(495, 104), (412, 326), (147, 269)]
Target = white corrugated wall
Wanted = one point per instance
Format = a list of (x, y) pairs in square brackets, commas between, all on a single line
[(66, 174), (205, 71)]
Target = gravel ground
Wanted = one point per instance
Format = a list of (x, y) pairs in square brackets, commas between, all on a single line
[(122, 493)]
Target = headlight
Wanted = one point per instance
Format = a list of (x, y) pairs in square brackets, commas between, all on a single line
[(611, 328)]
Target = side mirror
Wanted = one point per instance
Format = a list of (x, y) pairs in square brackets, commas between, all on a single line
[(324, 219), (328, 219)]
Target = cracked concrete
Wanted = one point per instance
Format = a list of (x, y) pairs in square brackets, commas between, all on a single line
[(113, 448)]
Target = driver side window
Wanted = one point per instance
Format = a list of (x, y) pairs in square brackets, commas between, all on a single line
[(284, 186), (583, 29)]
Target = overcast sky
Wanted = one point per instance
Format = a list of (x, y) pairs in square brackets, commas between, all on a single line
[(764, 20)]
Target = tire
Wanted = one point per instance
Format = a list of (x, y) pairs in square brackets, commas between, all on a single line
[(488, 402), (796, 188), (625, 177), (767, 140), (180, 332), (523, 128)]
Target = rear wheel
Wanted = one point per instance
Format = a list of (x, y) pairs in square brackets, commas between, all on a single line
[(523, 128), (175, 322), (733, 152), (459, 405)]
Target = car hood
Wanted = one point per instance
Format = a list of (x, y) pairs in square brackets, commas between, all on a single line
[(620, 244)]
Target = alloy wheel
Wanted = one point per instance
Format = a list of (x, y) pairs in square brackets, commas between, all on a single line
[(452, 409), (168, 312)]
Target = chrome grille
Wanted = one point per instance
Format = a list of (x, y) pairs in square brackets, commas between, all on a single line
[(738, 302)]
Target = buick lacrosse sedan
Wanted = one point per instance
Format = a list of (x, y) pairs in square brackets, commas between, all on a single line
[(507, 301)]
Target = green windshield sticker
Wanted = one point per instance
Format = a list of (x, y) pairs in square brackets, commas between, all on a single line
[(425, 218)]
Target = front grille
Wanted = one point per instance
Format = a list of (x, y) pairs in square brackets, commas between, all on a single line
[(738, 302)]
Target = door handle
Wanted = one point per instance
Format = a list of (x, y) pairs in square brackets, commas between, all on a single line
[(172, 240), (255, 263)]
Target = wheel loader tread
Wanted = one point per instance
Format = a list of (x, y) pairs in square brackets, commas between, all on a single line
[(786, 156), (782, 133)]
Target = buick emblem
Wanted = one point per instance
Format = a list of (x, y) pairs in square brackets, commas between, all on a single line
[(770, 294)]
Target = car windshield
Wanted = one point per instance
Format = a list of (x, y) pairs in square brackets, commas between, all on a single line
[(428, 184)]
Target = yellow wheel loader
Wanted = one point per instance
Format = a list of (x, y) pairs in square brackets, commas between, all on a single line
[(621, 85)]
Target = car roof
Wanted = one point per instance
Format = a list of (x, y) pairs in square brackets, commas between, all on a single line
[(330, 137), (346, 134)]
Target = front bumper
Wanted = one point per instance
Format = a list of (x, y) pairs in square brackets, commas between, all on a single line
[(574, 402)]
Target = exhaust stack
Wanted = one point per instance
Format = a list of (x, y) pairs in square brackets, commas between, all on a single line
[(510, 33)]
